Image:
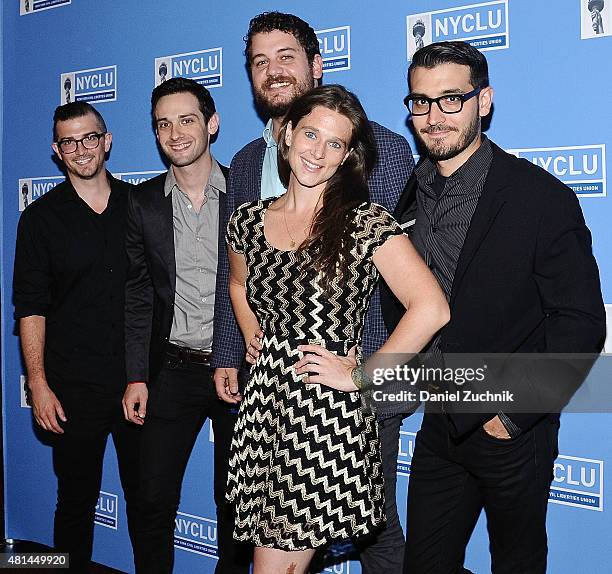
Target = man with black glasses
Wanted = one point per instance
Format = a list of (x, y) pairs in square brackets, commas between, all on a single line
[(70, 270), (508, 244)]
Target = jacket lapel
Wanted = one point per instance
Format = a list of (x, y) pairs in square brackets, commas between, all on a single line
[(405, 210), (491, 201), (222, 217), (166, 236), (257, 173)]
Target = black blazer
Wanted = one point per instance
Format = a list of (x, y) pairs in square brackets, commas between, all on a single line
[(150, 286), (526, 280)]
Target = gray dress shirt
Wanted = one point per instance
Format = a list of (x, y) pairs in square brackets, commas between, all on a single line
[(196, 236)]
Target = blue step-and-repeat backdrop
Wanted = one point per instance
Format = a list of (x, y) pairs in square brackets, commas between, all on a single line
[(550, 65)]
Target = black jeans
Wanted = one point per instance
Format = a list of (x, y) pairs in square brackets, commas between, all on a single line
[(180, 400), (78, 455), (451, 482)]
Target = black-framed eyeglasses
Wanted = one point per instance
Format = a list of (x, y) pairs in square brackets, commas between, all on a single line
[(448, 104), (90, 141)]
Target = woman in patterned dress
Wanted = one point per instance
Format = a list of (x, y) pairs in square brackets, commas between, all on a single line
[(305, 463)]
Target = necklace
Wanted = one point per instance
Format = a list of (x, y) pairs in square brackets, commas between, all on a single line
[(293, 243)]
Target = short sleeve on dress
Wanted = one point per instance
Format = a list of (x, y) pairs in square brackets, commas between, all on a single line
[(235, 233), (374, 226)]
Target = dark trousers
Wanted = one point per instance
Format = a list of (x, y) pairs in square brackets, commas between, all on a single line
[(384, 553), (451, 482), (181, 399), (78, 455)]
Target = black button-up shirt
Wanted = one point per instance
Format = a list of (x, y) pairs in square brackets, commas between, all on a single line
[(70, 267), (445, 207), (443, 219)]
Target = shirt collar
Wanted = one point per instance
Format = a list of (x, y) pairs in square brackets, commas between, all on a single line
[(216, 180), (69, 193), (267, 134), (468, 174), (478, 163)]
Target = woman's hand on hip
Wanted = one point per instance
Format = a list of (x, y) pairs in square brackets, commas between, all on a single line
[(325, 368)]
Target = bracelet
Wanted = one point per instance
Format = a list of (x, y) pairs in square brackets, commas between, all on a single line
[(360, 378)]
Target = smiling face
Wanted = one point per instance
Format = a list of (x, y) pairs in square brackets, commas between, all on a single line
[(82, 163), (449, 137), (318, 145), (280, 71), (182, 131)]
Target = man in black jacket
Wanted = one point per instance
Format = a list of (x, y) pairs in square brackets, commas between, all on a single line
[(70, 269), (509, 246), (173, 242)]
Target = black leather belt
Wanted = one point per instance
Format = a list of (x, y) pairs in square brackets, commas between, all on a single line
[(188, 355)]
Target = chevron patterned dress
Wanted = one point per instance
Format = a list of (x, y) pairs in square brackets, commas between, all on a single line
[(305, 464)]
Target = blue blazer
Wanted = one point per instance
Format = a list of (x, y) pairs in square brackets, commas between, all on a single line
[(386, 183)]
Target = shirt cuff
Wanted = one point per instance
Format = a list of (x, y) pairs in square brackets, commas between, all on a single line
[(513, 430)]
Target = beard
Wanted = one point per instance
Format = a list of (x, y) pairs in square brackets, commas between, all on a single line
[(277, 107), (439, 151)]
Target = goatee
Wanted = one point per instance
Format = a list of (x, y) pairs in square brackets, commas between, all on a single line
[(441, 152)]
